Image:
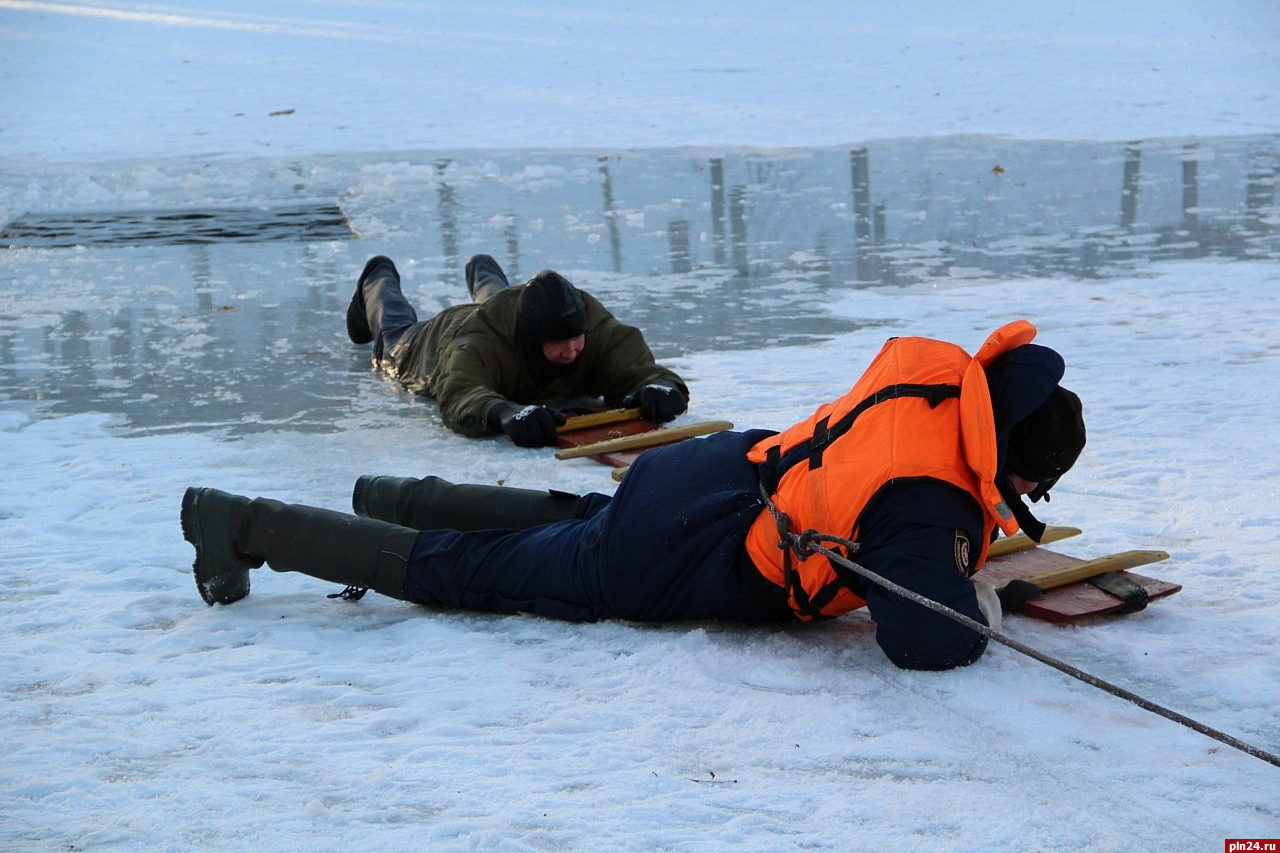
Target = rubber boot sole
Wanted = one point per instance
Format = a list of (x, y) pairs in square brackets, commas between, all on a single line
[(209, 523)]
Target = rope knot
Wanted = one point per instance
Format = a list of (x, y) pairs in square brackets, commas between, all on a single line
[(803, 543)]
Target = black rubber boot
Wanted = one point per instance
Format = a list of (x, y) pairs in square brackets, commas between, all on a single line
[(378, 310), (484, 277), (360, 553), (435, 504), (211, 521), (233, 534), (357, 319)]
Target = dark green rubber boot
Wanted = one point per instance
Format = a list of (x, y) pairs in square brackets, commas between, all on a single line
[(435, 504), (359, 553), (211, 521)]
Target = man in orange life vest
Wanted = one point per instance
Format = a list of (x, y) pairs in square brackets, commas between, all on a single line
[(920, 463)]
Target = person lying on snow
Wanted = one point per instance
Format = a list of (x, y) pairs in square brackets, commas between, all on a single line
[(500, 363), (920, 463)]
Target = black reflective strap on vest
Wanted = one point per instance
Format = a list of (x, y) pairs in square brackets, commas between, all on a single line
[(776, 465), (823, 435)]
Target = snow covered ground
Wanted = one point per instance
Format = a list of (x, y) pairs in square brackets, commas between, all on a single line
[(135, 717)]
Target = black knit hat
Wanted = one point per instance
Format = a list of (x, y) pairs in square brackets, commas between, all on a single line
[(1046, 443), (550, 308)]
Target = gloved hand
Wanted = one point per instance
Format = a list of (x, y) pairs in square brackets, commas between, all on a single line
[(527, 426), (1016, 594), (988, 603), (658, 401)]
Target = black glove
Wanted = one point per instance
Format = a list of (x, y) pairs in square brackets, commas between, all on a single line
[(658, 401), (527, 426), (1016, 594)]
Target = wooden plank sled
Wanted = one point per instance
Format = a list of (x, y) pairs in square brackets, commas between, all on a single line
[(1071, 593), (616, 437)]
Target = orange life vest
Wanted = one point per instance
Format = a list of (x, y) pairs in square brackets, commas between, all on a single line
[(922, 410)]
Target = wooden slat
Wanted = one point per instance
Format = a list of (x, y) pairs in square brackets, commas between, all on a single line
[(1022, 542), (1078, 601), (1090, 568), (652, 438), (592, 419)]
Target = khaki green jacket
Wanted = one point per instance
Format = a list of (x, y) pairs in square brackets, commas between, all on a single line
[(468, 358)]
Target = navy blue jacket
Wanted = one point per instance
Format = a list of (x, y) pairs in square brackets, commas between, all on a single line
[(672, 544), (672, 548)]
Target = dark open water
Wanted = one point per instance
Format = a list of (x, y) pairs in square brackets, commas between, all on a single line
[(201, 294)]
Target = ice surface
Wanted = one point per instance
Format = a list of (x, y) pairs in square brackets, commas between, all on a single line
[(586, 138)]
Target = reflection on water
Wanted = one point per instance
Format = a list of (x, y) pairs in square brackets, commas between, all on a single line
[(159, 310)]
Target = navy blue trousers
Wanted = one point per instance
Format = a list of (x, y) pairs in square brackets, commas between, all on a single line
[(667, 547)]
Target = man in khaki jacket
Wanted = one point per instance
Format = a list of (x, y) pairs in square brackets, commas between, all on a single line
[(500, 364)]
